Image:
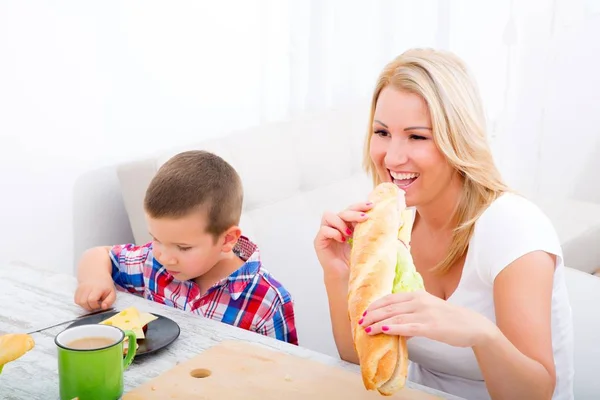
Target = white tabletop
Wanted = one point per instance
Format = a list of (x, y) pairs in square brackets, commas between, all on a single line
[(33, 298)]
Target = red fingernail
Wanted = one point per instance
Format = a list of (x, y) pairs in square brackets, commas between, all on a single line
[(368, 329), (385, 328), (348, 231), (360, 321), (365, 313), (362, 214), (369, 203), (343, 239)]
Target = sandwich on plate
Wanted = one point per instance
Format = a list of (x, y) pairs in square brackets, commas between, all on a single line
[(131, 319)]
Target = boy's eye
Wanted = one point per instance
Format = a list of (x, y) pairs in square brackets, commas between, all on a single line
[(184, 248)]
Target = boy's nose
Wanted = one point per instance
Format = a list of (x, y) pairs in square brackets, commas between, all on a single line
[(164, 258), (167, 261)]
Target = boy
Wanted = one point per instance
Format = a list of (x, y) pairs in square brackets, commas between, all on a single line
[(198, 260)]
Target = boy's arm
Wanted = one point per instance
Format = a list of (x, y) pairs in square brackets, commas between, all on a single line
[(94, 264), (100, 268), (128, 263), (95, 287)]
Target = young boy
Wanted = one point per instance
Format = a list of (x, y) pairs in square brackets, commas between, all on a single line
[(198, 259)]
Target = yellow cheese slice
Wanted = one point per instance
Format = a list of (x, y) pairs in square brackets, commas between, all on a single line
[(130, 319), (146, 318)]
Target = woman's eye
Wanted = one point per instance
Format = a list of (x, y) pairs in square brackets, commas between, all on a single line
[(418, 137), (381, 133)]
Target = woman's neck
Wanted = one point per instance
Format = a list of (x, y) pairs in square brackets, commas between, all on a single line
[(438, 215)]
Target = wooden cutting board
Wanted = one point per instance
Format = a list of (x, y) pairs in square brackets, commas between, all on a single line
[(240, 370)]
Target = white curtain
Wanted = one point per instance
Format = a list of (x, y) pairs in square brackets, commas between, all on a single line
[(531, 59), (85, 85), (88, 72), (252, 62)]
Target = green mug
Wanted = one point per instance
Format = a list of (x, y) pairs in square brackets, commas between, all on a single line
[(91, 363)]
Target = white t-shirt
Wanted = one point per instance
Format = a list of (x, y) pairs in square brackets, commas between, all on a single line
[(510, 228)]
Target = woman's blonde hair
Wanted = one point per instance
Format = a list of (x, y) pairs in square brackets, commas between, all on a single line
[(459, 132)]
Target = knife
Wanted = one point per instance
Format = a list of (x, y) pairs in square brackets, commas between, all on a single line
[(73, 320)]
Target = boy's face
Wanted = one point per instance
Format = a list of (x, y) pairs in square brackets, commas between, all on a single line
[(184, 247)]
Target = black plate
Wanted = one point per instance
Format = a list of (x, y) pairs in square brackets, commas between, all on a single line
[(161, 332)]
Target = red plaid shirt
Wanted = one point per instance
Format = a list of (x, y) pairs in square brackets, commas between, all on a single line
[(249, 298)]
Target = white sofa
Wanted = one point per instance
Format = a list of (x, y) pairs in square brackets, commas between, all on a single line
[(294, 170), (584, 293)]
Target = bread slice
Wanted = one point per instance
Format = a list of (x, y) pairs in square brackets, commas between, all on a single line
[(14, 346)]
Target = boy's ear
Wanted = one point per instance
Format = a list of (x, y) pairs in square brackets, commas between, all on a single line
[(230, 238)]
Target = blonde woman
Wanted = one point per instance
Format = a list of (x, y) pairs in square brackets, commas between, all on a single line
[(494, 320)]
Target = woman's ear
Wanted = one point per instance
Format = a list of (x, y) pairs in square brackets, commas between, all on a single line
[(230, 238)]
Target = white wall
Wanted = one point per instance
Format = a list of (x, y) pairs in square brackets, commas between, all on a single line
[(551, 143), (570, 148), (85, 85)]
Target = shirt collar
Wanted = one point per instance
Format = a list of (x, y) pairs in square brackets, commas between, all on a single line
[(238, 281)]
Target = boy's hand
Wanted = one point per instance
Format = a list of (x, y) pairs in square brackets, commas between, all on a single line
[(96, 294)]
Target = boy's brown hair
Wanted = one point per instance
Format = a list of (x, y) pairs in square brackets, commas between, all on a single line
[(197, 180)]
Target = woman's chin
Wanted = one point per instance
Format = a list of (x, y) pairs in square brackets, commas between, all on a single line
[(410, 202)]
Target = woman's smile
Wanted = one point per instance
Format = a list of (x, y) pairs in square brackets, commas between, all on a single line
[(403, 179)]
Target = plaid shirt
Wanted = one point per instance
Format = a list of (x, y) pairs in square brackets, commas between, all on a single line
[(249, 298)]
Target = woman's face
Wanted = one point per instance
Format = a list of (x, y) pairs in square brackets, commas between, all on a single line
[(403, 150)]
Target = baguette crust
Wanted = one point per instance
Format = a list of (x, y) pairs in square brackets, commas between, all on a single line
[(383, 358)]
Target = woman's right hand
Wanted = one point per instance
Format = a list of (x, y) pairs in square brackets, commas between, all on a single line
[(331, 242)]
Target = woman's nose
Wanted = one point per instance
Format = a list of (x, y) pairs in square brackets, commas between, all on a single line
[(396, 155)]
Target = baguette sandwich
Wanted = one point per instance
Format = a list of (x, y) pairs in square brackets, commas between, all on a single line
[(381, 264)]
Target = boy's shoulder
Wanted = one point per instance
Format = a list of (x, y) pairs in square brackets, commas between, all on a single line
[(132, 253), (274, 285), (253, 278)]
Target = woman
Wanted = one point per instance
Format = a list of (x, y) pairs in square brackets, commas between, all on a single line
[(494, 320)]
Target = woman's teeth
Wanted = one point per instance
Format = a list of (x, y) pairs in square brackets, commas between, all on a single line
[(404, 179), (403, 175)]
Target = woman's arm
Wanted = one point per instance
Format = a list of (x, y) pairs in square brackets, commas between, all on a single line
[(516, 359), (337, 294)]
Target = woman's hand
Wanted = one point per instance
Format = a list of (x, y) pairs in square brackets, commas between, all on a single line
[(422, 314), (331, 242)]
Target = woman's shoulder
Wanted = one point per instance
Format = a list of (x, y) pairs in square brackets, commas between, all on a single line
[(509, 228), (512, 211)]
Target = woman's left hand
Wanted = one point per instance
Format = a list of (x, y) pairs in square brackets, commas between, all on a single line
[(422, 314)]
